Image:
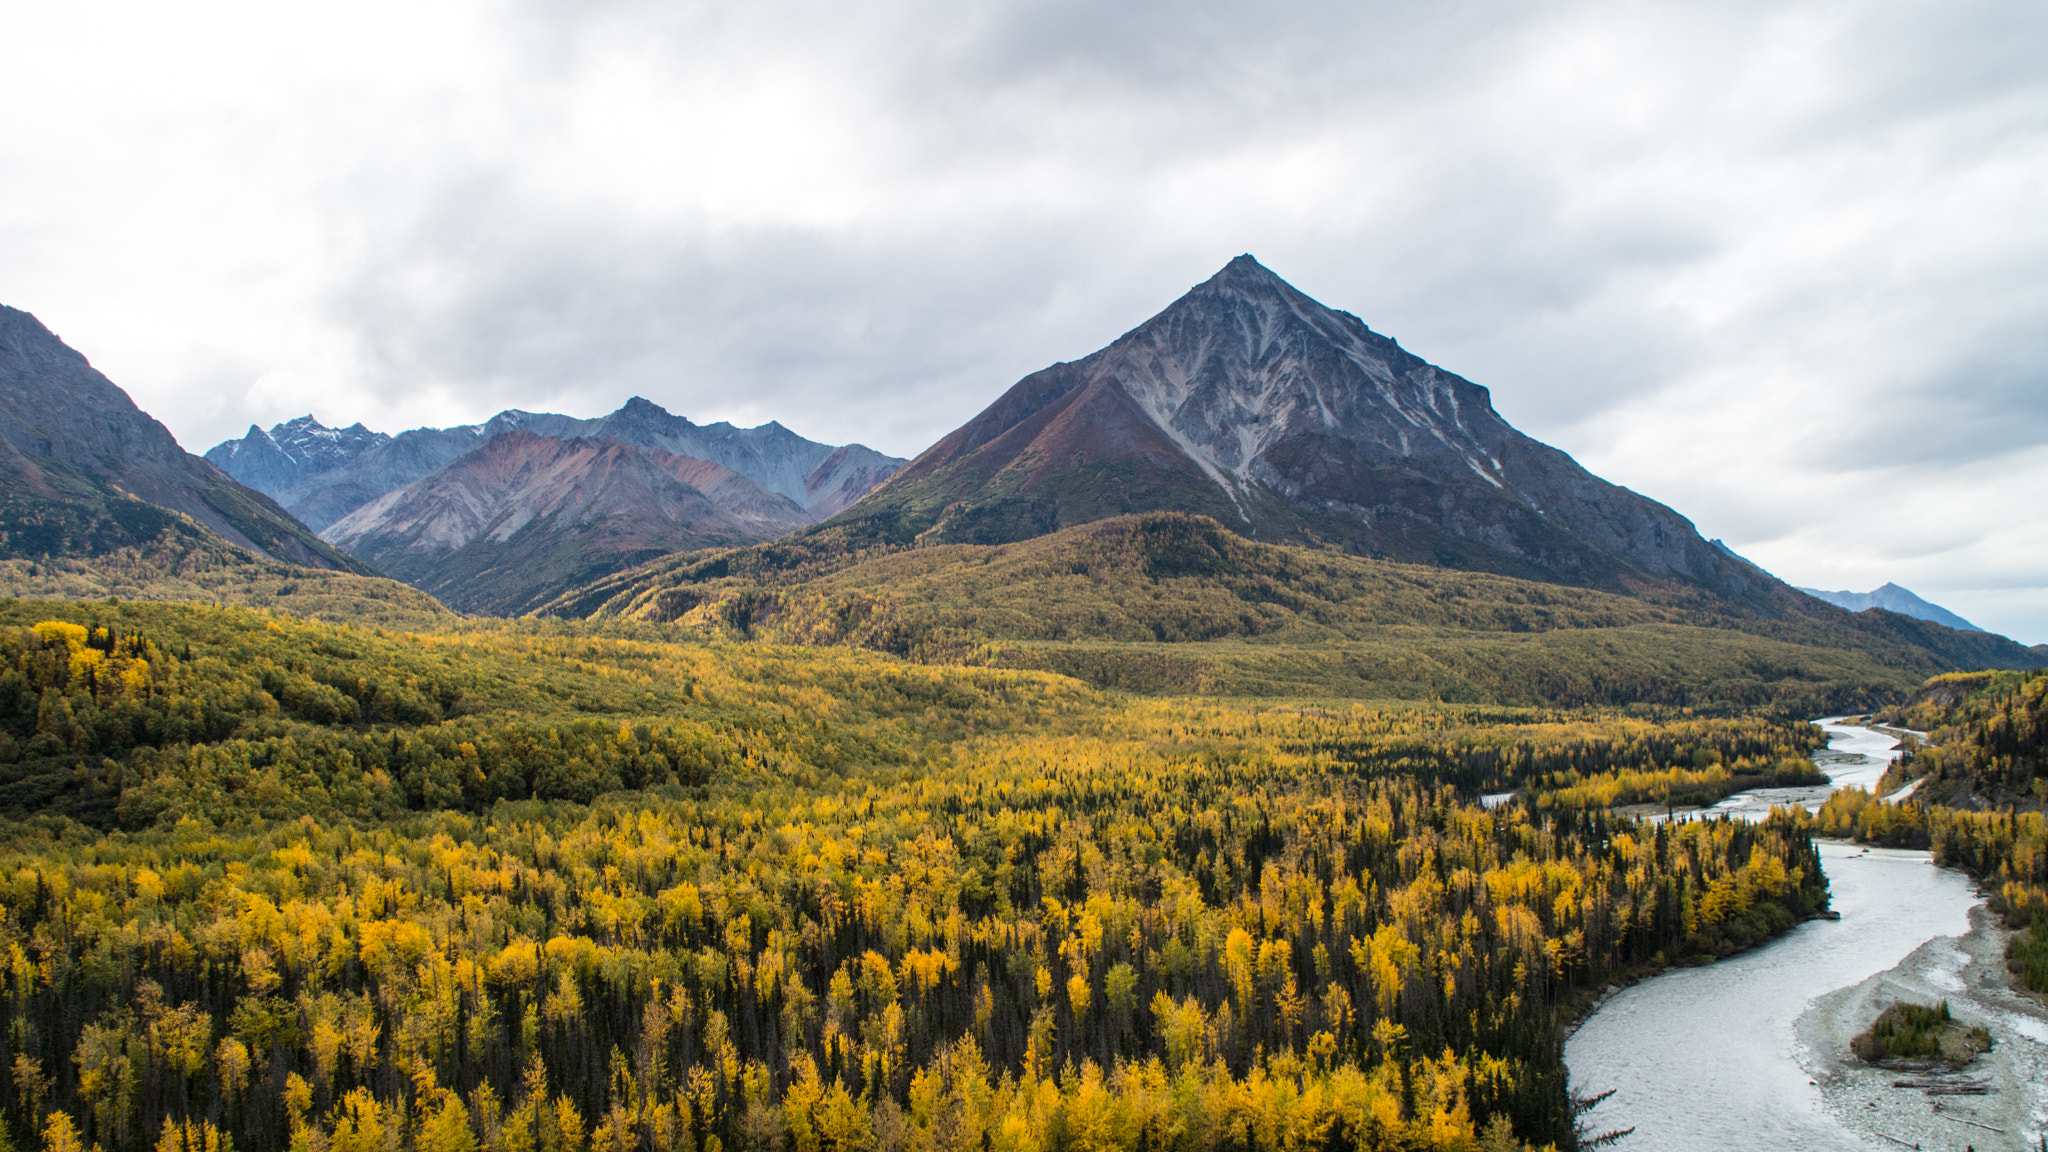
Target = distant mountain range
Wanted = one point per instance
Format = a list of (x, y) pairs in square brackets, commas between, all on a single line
[(1893, 598), (510, 523), (501, 516), (322, 474)]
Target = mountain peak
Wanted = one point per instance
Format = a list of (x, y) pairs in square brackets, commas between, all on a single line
[(642, 406), (1892, 598), (1246, 277), (322, 475), (499, 528), (1246, 269), (1250, 401)]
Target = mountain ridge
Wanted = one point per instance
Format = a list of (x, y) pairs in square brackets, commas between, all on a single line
[(324, 474), (506, 524), (1184, 604), (1893, 598)]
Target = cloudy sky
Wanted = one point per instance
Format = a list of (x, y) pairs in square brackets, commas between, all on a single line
[(1783, 266)]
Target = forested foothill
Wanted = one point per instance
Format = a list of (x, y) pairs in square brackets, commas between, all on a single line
[(181, 565), (1176, 603), (543, 887)]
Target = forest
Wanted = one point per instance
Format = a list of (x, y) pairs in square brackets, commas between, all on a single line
[(568, 888), (1987, 736)]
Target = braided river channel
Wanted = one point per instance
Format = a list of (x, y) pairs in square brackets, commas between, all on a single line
[(1750, 1053)]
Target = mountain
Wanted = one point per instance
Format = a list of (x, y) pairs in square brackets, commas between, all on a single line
[(324, 474), (1893, 598), (276, 461), (1248, 409), (1291, 422), (521, 516), (86, 473)]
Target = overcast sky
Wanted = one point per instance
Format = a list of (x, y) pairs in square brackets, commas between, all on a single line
[(1783, 266)]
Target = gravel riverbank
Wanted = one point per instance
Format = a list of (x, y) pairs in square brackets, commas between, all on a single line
[(1969, 972)]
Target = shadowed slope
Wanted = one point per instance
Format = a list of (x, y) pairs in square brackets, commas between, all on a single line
[(85, 472)]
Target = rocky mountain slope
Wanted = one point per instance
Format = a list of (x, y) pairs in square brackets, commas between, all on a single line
[(323, 474), (819, 478), (1893, 598), (1290, 421), (85, 473), (277, 461), (521, 516)]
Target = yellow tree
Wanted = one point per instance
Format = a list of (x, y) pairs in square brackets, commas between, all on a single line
[(60, 1134), (446, 1128)]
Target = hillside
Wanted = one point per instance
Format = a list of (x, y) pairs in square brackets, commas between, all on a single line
[(183, 570), (1987, 740), (509, 524), (1171, 602)]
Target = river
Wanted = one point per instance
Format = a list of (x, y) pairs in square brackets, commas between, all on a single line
[(1709, 1058), (1855, 757), (1705, 1057)]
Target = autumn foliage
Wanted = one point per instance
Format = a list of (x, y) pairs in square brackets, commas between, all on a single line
[(525, 889)]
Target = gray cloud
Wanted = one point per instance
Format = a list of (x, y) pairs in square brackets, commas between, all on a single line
[(1779, 265)]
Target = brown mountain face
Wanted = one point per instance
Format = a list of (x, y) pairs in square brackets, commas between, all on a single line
[(87, 473), (845, 476), (521, 517), (1290, 422), (322, 474)]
